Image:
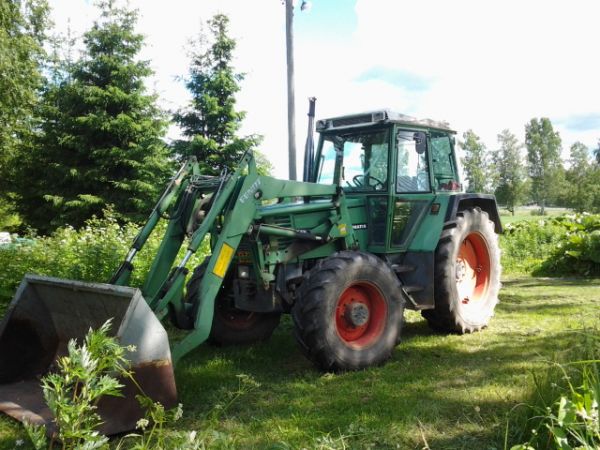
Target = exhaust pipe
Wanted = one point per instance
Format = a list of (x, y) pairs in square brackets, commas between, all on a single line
[(309, 148)]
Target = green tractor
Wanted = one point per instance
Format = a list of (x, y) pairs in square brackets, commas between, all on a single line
[(379, 224)]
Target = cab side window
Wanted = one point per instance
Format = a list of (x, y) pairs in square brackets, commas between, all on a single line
[(413, 170), (444, 172)]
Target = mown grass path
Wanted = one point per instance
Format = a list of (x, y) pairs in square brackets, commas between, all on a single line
[(440, 391)]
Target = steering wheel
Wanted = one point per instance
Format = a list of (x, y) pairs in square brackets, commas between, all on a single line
[(358, 181)]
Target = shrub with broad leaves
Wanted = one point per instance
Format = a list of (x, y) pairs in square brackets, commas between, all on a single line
[(557, 246)]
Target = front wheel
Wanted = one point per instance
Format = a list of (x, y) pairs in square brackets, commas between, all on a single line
[(349, 312), (230, 325), (467, 274)]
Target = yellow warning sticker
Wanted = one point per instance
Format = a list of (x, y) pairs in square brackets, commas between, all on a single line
[(342, 228), (223, 261)]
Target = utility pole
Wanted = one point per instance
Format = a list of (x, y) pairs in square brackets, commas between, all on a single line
[(289, 41)]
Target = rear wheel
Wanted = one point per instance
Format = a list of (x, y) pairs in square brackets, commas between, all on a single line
[(230, 325), (467, 274), (349, 312)]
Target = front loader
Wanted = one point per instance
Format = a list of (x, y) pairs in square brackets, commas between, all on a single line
[(379, 224)]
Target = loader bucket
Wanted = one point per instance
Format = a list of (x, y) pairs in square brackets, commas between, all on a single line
[(48, 312)]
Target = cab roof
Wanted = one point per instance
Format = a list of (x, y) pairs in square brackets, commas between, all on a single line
[(378, 117)]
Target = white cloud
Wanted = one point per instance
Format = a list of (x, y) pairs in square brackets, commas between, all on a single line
[(495, 65), (490, 65)]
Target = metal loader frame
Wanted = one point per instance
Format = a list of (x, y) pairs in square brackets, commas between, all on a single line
[(231, 205)]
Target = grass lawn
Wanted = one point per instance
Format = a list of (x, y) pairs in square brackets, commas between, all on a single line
[(438, 391), (525, 213)]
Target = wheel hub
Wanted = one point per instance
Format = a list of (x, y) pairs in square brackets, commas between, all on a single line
[(472, 269), (236, 318), (360, 314), (357, 314)]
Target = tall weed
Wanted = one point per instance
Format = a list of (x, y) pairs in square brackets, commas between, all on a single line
[(72, 393), (565, 412), (89, 372)]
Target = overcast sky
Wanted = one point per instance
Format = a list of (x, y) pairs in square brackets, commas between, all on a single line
[(481, 65)]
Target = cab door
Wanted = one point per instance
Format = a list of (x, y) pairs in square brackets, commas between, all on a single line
[(362, 168), (412, 190)]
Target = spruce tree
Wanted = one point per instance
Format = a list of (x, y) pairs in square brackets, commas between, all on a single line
[(101, 134), (210, 122)]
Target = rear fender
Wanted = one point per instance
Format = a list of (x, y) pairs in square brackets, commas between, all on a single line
[(486, 202)]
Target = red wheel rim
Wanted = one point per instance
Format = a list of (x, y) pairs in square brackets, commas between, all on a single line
[(236, 319), (472, 269), (360, 314)]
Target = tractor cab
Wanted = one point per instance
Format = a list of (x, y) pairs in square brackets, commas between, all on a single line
[(369, 153), (393, 168)]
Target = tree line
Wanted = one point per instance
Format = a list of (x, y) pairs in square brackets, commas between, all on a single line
[(80, 130), (533, 171), (78, 133)]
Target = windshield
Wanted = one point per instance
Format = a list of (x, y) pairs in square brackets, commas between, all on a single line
[(365, 160)]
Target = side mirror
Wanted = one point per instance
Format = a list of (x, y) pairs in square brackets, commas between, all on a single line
[(420, 139)]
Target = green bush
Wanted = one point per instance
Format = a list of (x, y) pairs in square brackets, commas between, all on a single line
[(536, 212), (526, 244), (578, 252), (92, 253), (556, 246)]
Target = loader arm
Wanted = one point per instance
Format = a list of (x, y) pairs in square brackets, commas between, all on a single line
[(172, 194), (46, 313), (238, 204)]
